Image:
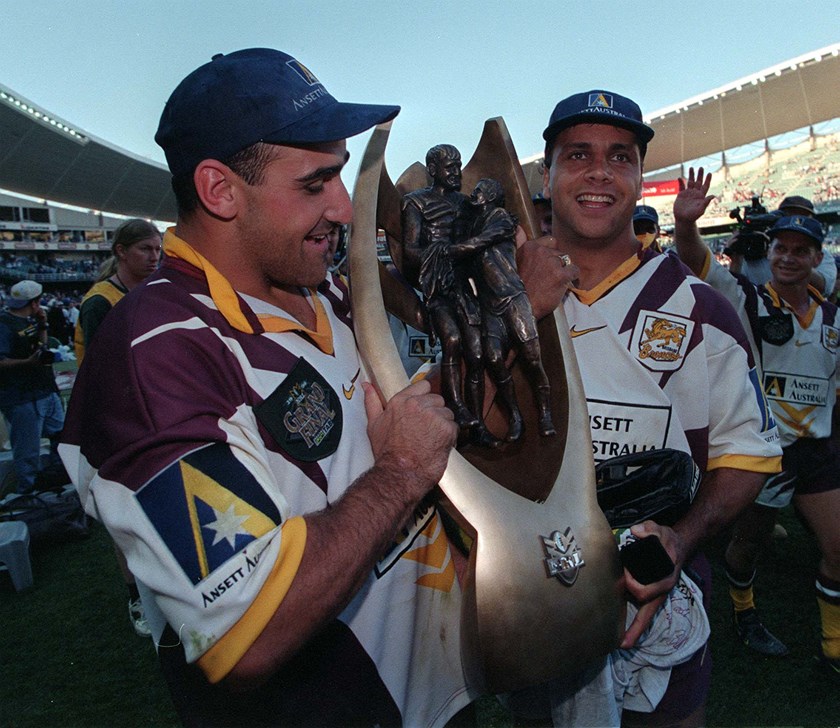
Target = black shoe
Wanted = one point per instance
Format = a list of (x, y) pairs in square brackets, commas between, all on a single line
[(756, 636), (829, 665)]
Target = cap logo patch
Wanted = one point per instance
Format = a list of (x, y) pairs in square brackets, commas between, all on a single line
[(303, 72), (604, 101), (798, 222)]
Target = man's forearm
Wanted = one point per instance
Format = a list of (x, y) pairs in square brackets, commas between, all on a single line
[(343, 543), (722, 495), (689, 245)]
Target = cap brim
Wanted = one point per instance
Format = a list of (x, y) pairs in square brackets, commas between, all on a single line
[(339, 120)]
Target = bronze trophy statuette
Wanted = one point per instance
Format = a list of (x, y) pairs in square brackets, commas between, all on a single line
[(461, 253), (543, 595)]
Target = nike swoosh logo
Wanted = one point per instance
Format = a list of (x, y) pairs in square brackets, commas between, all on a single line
[(802, 343), (574, 333), (348, 393)]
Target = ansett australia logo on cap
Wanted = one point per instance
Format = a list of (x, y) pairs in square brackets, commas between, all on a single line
[(302, 71), (601, 101), (311, 80)]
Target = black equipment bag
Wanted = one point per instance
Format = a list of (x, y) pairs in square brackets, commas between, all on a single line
[(51, 517)]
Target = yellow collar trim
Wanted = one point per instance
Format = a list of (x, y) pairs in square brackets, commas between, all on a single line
[(230, 304), (804, 321), (591, 295)]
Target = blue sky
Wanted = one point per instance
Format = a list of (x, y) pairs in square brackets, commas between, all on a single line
[(108, 67)]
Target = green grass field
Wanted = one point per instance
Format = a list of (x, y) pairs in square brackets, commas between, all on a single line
[(69, 657)]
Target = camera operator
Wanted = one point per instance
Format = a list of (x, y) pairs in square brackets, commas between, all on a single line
[(28, 393), (747, 248)]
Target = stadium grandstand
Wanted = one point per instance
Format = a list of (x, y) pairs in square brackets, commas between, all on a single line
[(770, 134)]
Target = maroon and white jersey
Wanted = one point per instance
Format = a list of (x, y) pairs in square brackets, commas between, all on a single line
[(203, 425)]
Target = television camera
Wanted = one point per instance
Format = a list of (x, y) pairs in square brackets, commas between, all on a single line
[(751, 237)]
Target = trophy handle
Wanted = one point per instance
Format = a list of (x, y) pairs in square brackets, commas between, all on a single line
[(543, 595)]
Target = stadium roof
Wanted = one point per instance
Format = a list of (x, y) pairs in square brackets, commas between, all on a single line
[(43, 156), (791, 95), (798, 93)]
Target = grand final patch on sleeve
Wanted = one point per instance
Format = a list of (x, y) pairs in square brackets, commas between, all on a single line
[(660, 340), (303, 414), (207, 507)]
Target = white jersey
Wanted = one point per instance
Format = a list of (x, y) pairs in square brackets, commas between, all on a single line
[(798, 355), (680, 374)]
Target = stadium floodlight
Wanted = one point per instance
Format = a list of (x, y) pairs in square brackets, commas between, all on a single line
[(42, 116)]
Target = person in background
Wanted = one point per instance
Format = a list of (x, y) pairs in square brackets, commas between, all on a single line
[(824, 276), (29, 396), (136, 255), (757, 269), (542, 207), (646, 226), (795, 333)]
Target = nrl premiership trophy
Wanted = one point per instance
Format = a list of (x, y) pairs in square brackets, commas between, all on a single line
[(543, 592)]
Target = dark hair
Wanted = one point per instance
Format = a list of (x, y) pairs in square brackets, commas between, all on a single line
[(440, 152), (248, 163), (133, 231)]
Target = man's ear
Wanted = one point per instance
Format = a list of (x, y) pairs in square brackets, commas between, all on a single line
[(215, 185), (546, 190), (641, 180)]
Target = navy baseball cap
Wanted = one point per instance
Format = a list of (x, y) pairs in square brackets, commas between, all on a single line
[(646, 212), (254, 95), (597, 107), (795, 202), (800, 224)]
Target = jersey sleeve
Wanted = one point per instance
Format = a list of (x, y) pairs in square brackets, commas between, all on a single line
[(180, 475)]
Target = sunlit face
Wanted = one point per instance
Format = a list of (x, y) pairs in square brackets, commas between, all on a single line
[(139, 260), (287, 229), (594, 181), (792, 257)]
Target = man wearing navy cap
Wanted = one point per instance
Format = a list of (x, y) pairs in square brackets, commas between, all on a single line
[(647, 335), (271, 508), (795, 333), (646, 226)]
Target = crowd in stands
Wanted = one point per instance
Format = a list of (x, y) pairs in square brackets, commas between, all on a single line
[(49, 268), (810, 169)]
